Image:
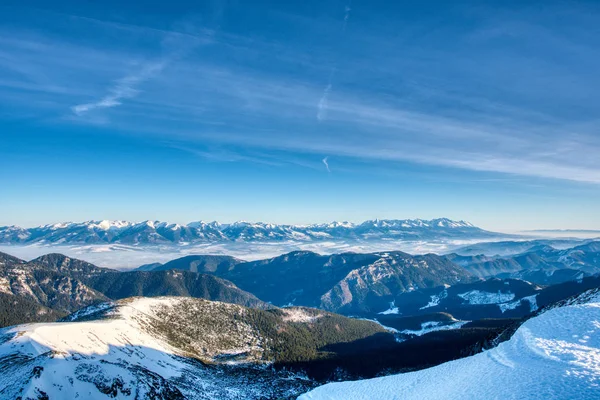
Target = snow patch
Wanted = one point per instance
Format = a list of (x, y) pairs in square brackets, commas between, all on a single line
[(298, 315), (435, 300), (432, 326), (481, 297), (514, 304), (392, 310)]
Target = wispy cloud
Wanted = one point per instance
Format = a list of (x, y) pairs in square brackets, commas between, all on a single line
[(225, 155), (125, 88), (484, 110), (326, 163), (229, 154), (323, 103), (324, 100), (347, 10)]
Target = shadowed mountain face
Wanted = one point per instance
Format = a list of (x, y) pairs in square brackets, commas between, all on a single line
[(15, 309), (541, 264), (119, 285), (352, 283), (196, 263), (347, 282), (33, 283), (54, 285), (66, 265), (299, 277), (494, 298)]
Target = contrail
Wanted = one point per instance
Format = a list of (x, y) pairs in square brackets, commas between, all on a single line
[(326, 164), (322, 111), (125, 88), (323, 102), (346, 16)]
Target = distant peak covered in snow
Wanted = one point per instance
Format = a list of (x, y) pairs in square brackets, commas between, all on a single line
[(148, 232)]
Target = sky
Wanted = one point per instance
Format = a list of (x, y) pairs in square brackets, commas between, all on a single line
[(301, 111)]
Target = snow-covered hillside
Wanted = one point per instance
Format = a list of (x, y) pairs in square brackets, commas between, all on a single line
[(119, 357), (165, 348), (555, 355)]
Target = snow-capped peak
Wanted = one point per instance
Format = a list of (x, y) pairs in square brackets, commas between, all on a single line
[(108, 231), (108, 224)]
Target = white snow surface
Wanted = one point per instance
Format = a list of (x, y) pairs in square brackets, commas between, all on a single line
[(104, 344), (433, 326), (514, 304), (480, 297), (392, 310), (435, 300), (74, 359), (555, 355)]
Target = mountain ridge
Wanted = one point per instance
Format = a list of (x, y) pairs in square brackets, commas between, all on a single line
[(346, 282), (172, 348), (54, 285), (157, 232)]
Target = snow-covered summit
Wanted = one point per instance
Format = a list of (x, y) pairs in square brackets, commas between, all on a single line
[(106, 231)]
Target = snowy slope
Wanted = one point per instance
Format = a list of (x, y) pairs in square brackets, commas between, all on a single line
[(102, 344), (124, 355), (54, 352), (169, 348), (555, 355)]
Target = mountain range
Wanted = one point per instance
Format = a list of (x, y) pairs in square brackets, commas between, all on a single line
[(540, 263), (187, 348), (364, 284), (207, 326), (348, 283), (156, 232), (55, 285)]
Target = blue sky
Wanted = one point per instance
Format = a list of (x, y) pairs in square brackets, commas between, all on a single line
[(301, 111)]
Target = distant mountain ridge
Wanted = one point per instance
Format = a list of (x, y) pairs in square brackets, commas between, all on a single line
[(542, 263), (156, 232)]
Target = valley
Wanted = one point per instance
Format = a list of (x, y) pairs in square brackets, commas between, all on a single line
[(297, 320)]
